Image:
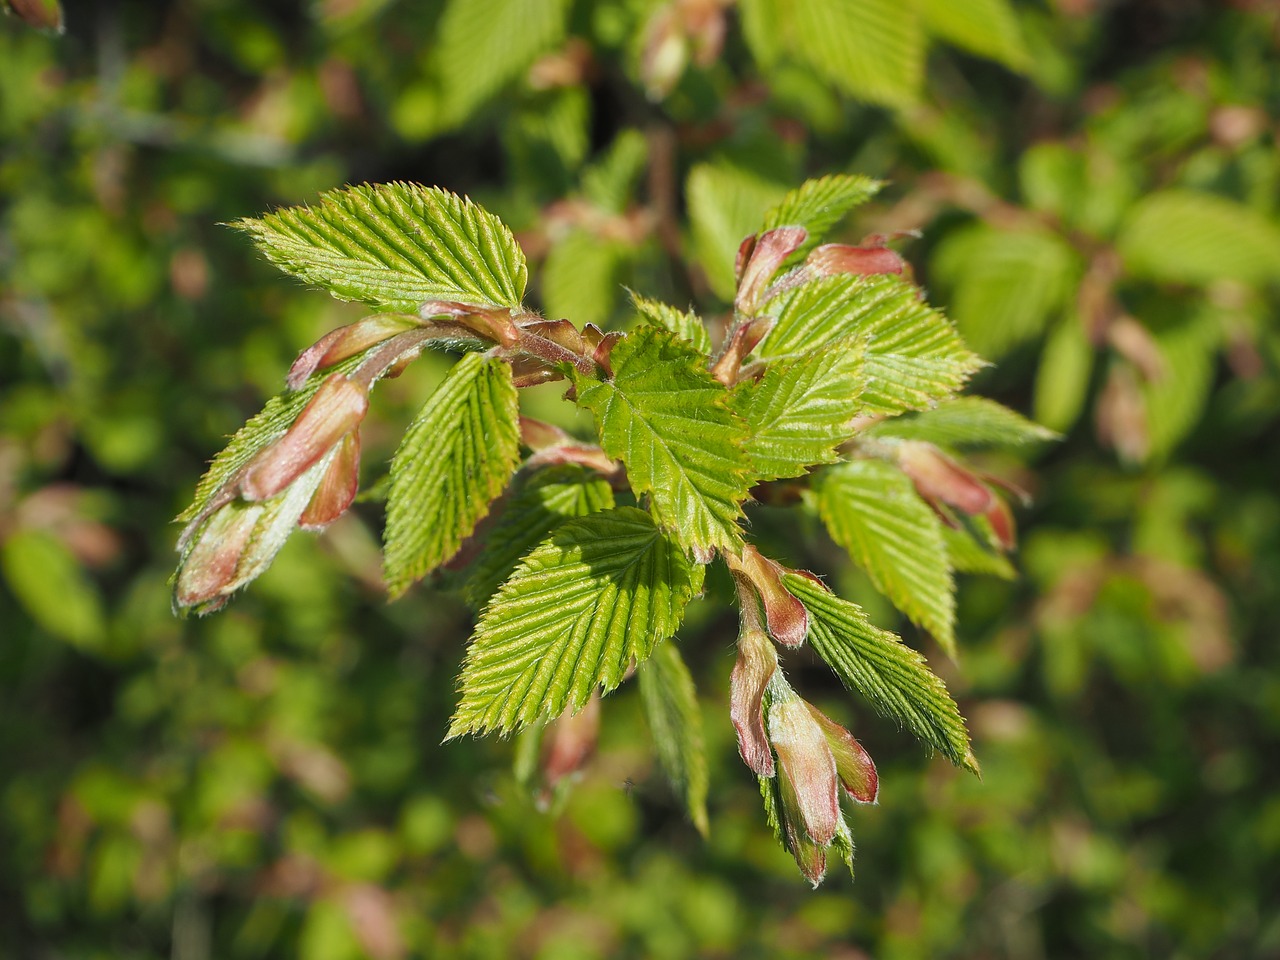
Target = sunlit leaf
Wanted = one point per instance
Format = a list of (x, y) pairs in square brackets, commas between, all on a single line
[(454, 459), (685, 324), (395, 245), (964, 422), (988, 28), (604, 590), (895, 679)]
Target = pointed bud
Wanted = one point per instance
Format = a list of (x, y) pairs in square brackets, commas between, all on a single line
[(834, 258), (1001, 519), (537, 435), (757, 662), (563, 333), (807, 767), (854, 766), (42, 14), (210, 566), (745, 249), (770, 250), (785, 616), (939, 478), (338, 487), (570, 741), (336, 410), (809, 856), (338, 345), (742, 340)]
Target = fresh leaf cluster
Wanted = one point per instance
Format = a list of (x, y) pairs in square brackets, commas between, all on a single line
[(834, 388)]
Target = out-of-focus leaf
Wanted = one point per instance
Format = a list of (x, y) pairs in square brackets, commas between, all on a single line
[(396, 245), (483, 45), (1176, 399), (802, 409), (669, 422), (1062, 381), (675, 721), (964, 422), (914, 357), (609, 182), (872, 510), (988, 28), (604, 590), (726, 204), (43, 14), (895, 679), (539, 504), (1183, 236), (454, 459), (1005, 284), (580, 278), (870, 49), (967, 554), (46, 578)]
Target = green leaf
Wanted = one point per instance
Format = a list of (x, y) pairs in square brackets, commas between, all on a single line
[(540, 503), (964, 422), (1062, 380), (725, 206), (818, 205), (1005, 284), (872, 510), (988, 28), (483, 45), (52, 586), (802, 409), (1183, 236), (457, 455), (870, 49), (610, 182), (665, 417), (966, 553), (1176, 399), (604, 590), (265, 428), (893, 677), (675, 720), (914, 356), (686, 325), (396, 245), (580, 278)]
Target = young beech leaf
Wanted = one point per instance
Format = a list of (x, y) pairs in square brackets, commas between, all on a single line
[(893, 677), (675, 721), (914, 355), (872, 510), (964, 422), (818, 205), (539, 504), (872, 49), (686, 325), (396, 245), (801, 409), (454, 459), (603, 591), (665, 417)]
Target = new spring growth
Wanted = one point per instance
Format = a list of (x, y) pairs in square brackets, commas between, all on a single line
[(940, 479)]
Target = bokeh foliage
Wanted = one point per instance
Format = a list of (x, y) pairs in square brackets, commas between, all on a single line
[(1098, 191)]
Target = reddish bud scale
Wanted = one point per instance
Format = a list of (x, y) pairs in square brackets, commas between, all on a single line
[(854, 766), (757, 662), (835, 258), (335, 411), (766, 256), (807, 766), (785, 616), (214, 559), (338, 487), (939, 478), (346, 342)]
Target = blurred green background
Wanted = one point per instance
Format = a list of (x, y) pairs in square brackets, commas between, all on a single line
[(1097, 187)]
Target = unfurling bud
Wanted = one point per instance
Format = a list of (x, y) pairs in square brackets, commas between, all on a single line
[(760, 260), (492, 323), (335, 411), (338, 486), (834, 258), (570, 741), (756, 665), (939, 478), (211, 564), (807, 769), (346, 342), (785, 616), (854, 766)]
